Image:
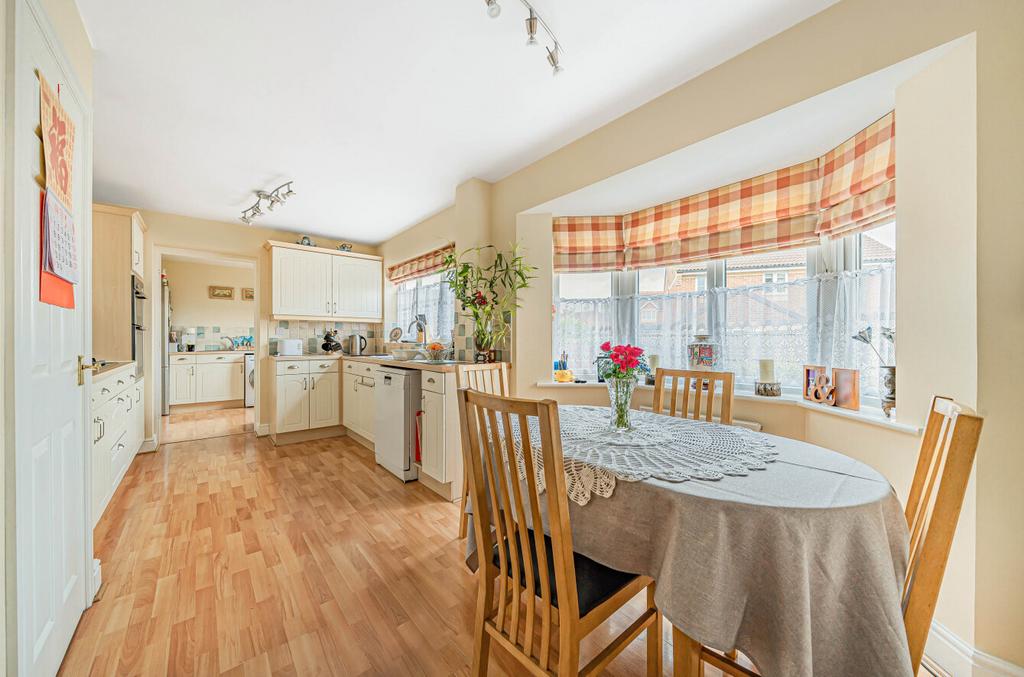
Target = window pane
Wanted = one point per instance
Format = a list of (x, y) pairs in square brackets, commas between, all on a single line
[(785, 265), (584, 318), (437, 302), (670, 310), (585, 285), (878, 246)]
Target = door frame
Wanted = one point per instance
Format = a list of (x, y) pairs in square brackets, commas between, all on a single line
[(13, 622), (154, 274)]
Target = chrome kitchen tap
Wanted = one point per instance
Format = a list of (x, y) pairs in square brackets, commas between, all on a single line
[(419, 324)]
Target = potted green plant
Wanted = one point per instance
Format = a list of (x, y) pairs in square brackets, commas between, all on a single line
[(488, 293)]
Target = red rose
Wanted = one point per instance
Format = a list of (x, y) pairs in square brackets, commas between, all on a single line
[(631, 363), (606, 346)]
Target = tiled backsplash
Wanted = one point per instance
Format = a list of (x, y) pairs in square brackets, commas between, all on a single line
[(313, 332), (211, 337)]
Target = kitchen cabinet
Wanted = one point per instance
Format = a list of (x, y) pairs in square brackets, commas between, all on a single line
[(118, 428), (356, 285), (358, 399), (306, 395), (137, 240), (197, 378), (432, 458), (301, 283), (318, 283), (118, 249), (292, 403)]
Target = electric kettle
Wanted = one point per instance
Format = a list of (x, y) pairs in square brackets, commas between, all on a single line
[(355, 344)]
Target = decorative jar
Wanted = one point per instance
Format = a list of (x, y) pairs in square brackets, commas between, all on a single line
[(887, 389), (703, 353)]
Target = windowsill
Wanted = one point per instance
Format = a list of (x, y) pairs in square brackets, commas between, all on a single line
[(863, 415)]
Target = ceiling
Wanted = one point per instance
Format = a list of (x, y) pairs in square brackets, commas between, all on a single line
[(376, 110), (795, 134)]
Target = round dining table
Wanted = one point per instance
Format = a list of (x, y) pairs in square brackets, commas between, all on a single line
[(799, 563)]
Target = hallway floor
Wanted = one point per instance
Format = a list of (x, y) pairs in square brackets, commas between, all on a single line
[(200, 425)]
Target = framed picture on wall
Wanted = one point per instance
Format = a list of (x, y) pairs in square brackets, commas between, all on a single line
[(222, 293), (248, 294)]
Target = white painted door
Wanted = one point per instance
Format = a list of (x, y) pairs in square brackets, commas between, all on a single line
[(183, 384), (46, 420), (218, 382), (137, 248), (324, 408), (432, 435), (292, 403), (358, 285), (301, 283)]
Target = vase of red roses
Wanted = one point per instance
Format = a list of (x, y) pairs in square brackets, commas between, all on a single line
[(620, 367)]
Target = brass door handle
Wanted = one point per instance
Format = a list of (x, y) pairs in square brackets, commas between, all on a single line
[(83, 367)]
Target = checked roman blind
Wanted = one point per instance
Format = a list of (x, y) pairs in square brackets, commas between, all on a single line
[(419, 266), (850, 188)]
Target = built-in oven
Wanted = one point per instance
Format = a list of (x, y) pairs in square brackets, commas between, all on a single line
[(138, 325)]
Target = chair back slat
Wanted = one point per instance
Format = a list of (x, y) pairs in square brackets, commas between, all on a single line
[(695, 381), (948, 448), (515, 507), (489, 378)]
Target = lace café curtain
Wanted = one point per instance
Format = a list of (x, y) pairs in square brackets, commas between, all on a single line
[(421, 291)]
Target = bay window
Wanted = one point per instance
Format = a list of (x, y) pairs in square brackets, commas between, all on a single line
[(796, 306)]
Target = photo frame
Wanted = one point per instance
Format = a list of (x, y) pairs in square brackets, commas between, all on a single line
[(248, 294), (221, 293), (847, 385), (811, 374)]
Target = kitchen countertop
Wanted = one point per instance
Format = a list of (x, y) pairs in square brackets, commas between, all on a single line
[(386, 361), (110, 367), (308, 356), (215, 352)]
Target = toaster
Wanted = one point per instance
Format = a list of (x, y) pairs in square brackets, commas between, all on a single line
[(289, 346)]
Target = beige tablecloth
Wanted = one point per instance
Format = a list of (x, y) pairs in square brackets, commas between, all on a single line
[(799, 566)]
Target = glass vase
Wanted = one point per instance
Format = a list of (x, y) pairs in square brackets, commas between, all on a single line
[(620, 394)]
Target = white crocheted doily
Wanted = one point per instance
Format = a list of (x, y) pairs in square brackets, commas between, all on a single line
[(663, 447)]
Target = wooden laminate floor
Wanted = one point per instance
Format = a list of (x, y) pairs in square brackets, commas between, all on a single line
[(229, 556), (199, 425)]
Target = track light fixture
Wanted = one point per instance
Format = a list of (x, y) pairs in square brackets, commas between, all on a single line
[(553, 56), (531, 29), (533, 21), (273, 198)]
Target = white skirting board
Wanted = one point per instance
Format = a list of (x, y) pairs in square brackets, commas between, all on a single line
[(149, 444), (960, 659)]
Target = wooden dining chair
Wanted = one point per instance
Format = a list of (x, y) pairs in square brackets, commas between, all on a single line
[(491, 378), (944, 463), (530, 582), (681, 406)]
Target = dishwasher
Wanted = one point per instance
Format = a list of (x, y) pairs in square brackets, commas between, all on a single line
[(397, 399)]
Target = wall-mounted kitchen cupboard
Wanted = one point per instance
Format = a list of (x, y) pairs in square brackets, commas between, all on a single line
[(313, 283), (306, 395), (117, 255)]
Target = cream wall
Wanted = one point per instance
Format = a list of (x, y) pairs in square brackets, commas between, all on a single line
[(172, 231), (70, 29), (849, 40), (190, 298)]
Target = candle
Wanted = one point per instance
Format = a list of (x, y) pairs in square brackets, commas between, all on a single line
[(767, 371), (652, 361)]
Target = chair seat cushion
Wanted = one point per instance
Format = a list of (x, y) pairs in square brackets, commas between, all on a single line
[(594, 582)]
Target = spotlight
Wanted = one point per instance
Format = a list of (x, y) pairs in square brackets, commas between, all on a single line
[(531, 29), (256, 211), (245, 219), (493, 8), (288, 193), (553, 56)]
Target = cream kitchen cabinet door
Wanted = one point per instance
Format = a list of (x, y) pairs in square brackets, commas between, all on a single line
[(350, 401), (368, 407), (359, 407), (432, 449), (219, 382), (324, 409), (357, 288), (292, 399), (301, 283), (183, 384)]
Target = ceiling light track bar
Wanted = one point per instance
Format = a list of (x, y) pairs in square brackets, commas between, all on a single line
[(533, 21), (544, 25), (272, 198)]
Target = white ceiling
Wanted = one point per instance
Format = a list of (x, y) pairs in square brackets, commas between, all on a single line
[(376, 110), (795, 134)]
